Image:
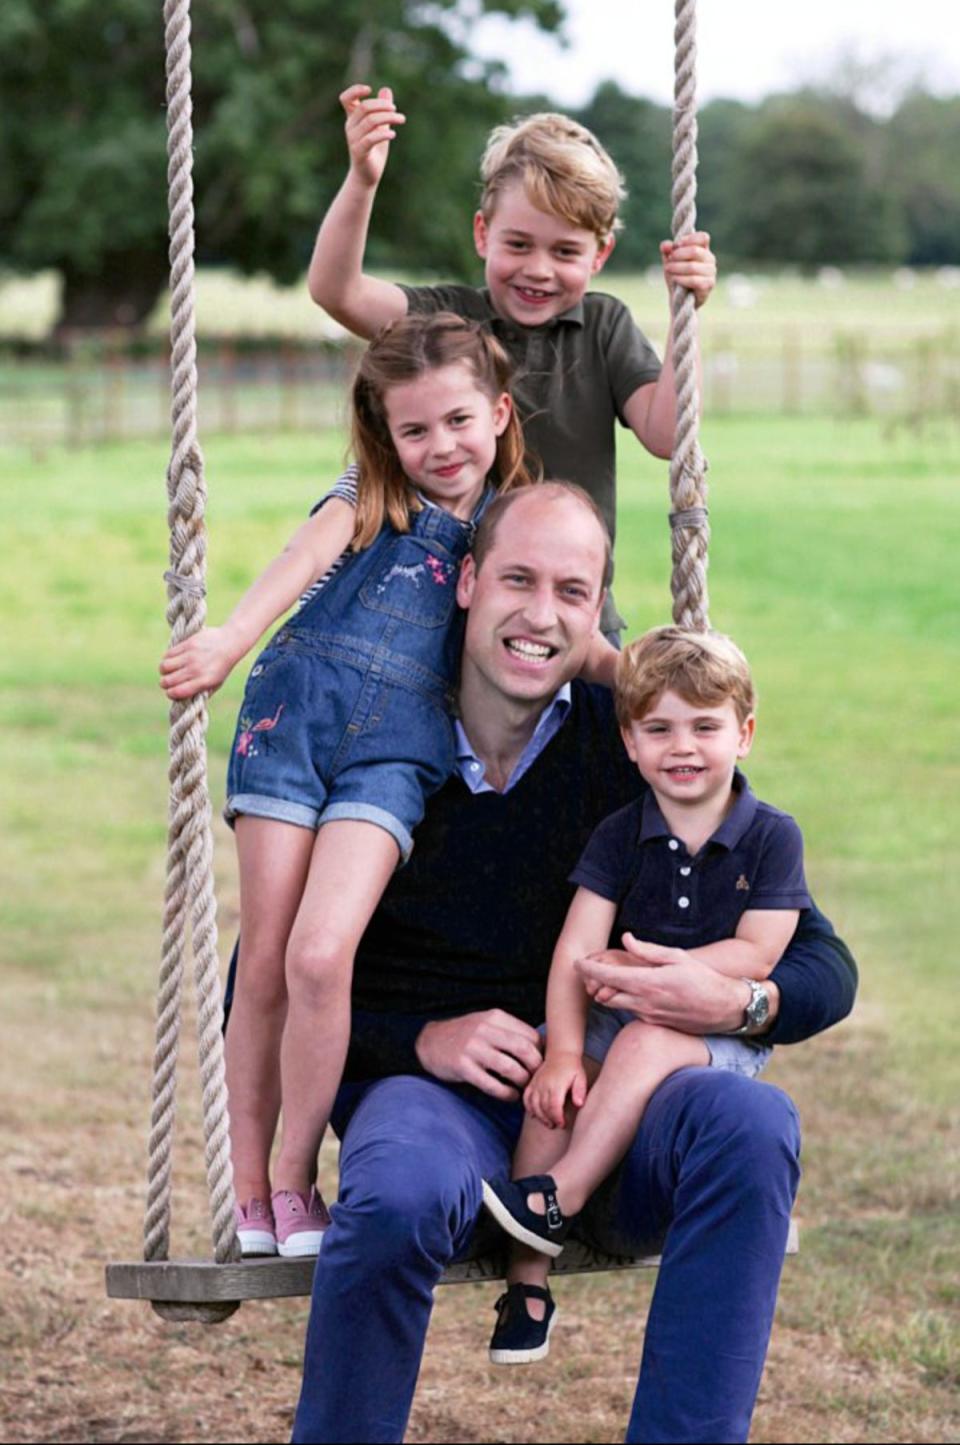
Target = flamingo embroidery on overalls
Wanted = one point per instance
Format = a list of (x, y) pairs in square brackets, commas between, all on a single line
[(245, 741)]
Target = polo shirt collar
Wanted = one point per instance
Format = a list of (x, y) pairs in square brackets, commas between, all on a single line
[(740, 816), (731, 830), (574, 315)]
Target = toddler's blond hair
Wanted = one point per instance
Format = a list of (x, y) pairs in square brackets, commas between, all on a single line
[(563, 168), (704, 668)]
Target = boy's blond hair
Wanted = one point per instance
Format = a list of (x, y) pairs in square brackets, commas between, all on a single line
[(704, 668), (563, 168)]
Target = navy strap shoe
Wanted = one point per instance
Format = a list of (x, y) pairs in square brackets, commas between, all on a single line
[(506, 1200), (517, 1338)]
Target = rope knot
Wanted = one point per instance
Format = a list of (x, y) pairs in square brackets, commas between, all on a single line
[(695, 519)]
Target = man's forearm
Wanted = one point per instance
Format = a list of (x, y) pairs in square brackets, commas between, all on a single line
[(817, 979), (384, 1044)]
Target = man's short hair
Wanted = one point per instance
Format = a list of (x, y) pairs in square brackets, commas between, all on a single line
[(548, 491), (563, 168), (704, 668)]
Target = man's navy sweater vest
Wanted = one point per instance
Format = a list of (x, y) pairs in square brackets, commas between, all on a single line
[(471, 921)]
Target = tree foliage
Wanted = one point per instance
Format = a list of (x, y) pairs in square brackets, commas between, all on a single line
[(82, 136), (923, 163), (637, 134), (807, 178), (804, 192)]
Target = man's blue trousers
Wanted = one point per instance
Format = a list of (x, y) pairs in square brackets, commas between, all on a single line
[(710, 1180)]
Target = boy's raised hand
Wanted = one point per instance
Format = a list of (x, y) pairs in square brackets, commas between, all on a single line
[(369, 129), (688, 261)]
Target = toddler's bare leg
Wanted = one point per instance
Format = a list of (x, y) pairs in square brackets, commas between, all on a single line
[(537, 1152), (640, 1058)]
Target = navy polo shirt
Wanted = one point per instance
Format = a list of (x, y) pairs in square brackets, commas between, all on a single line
[(666, 895)]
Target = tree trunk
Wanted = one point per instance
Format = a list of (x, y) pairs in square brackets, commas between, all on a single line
[(120, 297)]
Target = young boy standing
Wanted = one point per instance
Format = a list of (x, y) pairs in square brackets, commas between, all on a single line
[(696, 863), (547, 223)]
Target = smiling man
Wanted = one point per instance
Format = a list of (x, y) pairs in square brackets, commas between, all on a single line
[(449, 989)]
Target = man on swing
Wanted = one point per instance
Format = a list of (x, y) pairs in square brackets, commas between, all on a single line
[(449, 986)]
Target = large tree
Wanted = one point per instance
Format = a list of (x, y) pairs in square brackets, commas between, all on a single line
[(923, 141), (82, 135), (804, 189)]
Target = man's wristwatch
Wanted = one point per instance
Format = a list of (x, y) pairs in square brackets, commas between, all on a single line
[(757, 1010)]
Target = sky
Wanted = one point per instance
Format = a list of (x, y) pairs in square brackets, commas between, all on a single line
[(746, 48)]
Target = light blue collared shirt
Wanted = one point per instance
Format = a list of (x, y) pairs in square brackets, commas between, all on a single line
[(472, 770)]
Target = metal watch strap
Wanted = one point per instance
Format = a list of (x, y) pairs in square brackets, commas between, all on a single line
[(757, 991)]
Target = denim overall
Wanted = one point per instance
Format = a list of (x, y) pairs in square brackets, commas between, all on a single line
[(345, 713)]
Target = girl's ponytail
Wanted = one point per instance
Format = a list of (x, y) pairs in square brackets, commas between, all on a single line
[(403, 351)]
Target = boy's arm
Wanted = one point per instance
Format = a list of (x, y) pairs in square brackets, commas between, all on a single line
[(651, 412), (757, 946), (586, 928), (336, 279), (203, 661), (601, 664)]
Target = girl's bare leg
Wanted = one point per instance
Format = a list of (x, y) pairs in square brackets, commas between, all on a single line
[(274, 859), (351, 865)]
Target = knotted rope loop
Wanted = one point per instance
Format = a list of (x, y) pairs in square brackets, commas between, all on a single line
[(688, 489), (693, 518), (189, 885)]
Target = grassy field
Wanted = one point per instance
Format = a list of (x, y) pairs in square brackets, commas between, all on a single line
[(874, 342), (900, 304), (834, 564)]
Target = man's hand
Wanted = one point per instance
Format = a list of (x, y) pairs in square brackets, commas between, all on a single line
[(546, 1095), (369, 128), (688, 261), (673, 990), (492, 1050)]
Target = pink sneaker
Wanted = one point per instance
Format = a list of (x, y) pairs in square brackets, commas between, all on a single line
[(301, 1222), (256, 1230)]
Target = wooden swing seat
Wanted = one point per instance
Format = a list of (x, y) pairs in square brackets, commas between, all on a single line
[(195, 1282)]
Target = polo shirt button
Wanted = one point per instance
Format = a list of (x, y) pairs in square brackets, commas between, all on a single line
[(683, 902), (673, 845), (684, 872)]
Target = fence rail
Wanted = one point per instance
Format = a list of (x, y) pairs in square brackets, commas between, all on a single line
[(82, 402)]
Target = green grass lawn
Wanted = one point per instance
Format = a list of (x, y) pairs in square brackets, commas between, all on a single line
[(833, 563)]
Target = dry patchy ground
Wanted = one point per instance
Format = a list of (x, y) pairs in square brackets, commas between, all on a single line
[(859, 1352)]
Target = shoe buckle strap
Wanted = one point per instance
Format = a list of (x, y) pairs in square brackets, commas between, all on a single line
[(554, 1214)]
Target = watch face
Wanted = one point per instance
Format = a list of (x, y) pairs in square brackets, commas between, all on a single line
[(759, 1007)]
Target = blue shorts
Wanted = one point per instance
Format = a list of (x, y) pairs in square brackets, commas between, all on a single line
[(736, 1055), (320, 740)]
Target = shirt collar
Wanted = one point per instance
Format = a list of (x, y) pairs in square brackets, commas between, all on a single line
[(471, 768), (740, 816), (574, 315), (731, 830)]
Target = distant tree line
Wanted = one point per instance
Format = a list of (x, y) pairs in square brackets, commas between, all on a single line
[(807, 178)]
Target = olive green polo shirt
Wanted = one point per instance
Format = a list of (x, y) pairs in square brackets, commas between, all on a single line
[(572, 379)]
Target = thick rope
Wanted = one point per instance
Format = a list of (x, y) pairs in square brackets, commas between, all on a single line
[(189, 886), (688, 488)]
